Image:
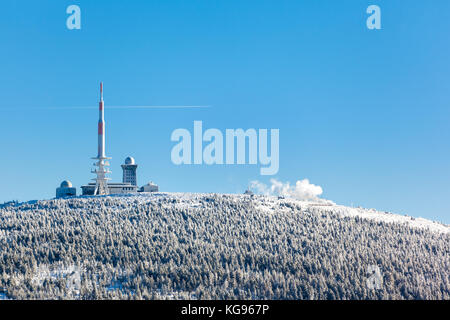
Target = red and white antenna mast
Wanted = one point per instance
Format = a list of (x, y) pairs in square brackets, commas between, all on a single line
[(101, 181)]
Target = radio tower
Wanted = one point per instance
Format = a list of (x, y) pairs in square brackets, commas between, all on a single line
[(101, 181)]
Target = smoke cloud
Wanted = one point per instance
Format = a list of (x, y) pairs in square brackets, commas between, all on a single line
[(302, 190)]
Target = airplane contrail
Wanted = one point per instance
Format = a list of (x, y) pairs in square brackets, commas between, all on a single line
[(109, 107), (135, 107)]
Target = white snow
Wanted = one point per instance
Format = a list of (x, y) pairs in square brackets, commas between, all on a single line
[(272, 205), (267, 204)]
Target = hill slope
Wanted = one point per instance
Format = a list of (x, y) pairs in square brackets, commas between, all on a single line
[(217, 246)]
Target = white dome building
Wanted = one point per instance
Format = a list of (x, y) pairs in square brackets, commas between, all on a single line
[(66, 190), (129, 171), (129, 160), (66, 184)]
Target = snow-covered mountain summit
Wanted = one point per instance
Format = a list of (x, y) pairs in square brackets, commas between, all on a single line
[(181, 245)]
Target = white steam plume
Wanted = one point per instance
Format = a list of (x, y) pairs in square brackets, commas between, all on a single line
[(302, 190)]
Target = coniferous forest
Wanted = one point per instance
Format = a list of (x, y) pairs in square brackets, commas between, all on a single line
[(210, 246)]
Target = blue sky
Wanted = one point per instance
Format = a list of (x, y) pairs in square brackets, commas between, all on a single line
[(362, 113)]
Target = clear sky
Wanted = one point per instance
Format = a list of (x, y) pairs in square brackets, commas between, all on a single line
[(362, 113)]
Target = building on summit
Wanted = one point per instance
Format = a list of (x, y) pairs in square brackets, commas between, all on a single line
[(129, 174), (129, 171), (101, 186), (149, 187), (66, 190)]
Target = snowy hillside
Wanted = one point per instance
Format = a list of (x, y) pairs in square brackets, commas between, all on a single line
[(181, 246)]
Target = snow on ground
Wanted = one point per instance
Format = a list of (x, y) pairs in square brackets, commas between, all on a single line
[(267, 204), (272, 204), (183, 234), (393, 218)]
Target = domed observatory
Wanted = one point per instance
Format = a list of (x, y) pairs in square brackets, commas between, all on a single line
[(66, 190), (129, 171)]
